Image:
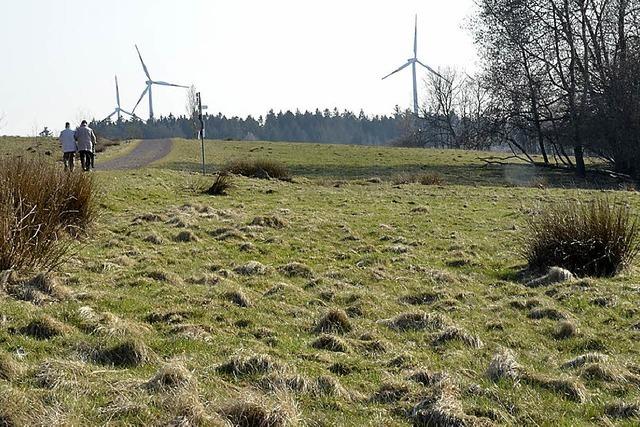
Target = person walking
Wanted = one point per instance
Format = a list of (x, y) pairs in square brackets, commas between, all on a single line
[(86, 140), (69, 147)]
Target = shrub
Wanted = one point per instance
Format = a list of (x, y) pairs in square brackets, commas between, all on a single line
[(220, 185), (39, 202), (260, 168), (597, 239)]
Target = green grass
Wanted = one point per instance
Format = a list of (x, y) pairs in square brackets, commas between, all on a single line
[(368, 245)]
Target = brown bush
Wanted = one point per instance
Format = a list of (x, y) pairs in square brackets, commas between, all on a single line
[(595, 239), (39, 204), (260, 168), (220, 185)]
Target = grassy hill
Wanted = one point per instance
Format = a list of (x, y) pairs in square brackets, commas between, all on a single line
[(341, 298)]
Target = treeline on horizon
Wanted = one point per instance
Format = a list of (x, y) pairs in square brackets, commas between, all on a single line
[(326, 126)]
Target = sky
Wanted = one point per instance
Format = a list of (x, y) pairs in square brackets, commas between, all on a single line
[(58, 58)]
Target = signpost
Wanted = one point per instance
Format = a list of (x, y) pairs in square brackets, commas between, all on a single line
[(201, 132)]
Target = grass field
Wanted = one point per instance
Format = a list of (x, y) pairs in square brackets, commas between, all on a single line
[(340, 298)]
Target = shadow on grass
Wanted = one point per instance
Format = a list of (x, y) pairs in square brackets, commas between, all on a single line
[(515, 175)]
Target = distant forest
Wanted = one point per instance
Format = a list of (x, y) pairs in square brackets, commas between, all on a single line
[(327, 126)]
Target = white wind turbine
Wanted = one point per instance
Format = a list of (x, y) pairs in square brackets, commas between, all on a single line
[(119, 110), (413, 61), (150, 83)]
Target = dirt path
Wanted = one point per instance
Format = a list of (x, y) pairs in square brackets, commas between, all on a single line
[(146, 152)]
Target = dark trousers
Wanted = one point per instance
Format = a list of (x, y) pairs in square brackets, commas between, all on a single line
[(68, 160), (85, 159)]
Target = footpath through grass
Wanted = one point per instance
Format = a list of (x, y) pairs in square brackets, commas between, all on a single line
[(224, 299)]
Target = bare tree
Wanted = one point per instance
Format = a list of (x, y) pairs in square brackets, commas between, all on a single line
[(192, 107)]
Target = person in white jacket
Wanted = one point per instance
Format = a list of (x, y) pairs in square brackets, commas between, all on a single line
[(69, 147), (86, 140)]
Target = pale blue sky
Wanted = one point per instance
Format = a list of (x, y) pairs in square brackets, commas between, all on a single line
[(58, 58)]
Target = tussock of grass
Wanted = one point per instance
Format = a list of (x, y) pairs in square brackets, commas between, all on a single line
[(252, 411), (252, 268), (272, 221), (192, 332), (248, 365), (9, 368), (593, 239), (565, 329), (504, 365), (442, 408), (227, 233), (423, 178), (330, 343), (584, 359), (329, 386), (391, 392), (238, 298), (45, 327), (602, 372), (415, 321), (125, 354), (42, 288), (623, 410), (280, 382), (333, 321), (261, 168), (62, 374), (186, 236), (221, 185), (296, 269), (154, 239), (453, 333), (170, 377), (148, 217), (567, 387), (423, 298), (546, 313), (427, 378)]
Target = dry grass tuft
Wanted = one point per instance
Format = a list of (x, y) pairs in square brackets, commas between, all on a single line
[(45, 327), (334, 321), (238, 298), (9, 368), (279, 382), (546, 313), (423, 298), (391, 392), (154, 239), (584, 359), (42, 288), (623, 410), (272, 221), (252, 268), (255, 412), (504, 365), (565, 329), (186, 236), (62, 374), (170, 377), (330, 343), (221, 184), (239, 366), (593, 239), (423, 178), (261, 168), (415, 321), (126, 354), (567, 387), (428, 378), (443, 408), (325, 385), (296, 269), (453, 333), (192, 332), (602, 372)]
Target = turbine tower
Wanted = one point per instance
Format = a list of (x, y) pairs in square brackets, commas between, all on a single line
[(149, 84), (413, 61), (119, 110)]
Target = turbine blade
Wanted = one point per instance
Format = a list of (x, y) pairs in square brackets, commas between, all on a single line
[(126, 112), (144, 92), (117, 92), (433, 71), (415, 39), (144, 67), (109, 116), (169, 84), (399, 69)]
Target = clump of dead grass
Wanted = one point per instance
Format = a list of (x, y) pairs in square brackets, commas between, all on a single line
[(333, 321), (40, 289), (584, 359), (623, 410), (330, 343), (442, 408), (391, 392), (592, 239), (238, 298), (65, 374), (289, 383), (154, 239), (170, 377), (424, 178), (296, 269), (454, 333), (186, 236), (221, 185), (240, 365), (259, 168), (272, 221), (252, 268), (415, 321), (128, 353), (565, 329), (45, 327), (504, 365), (9, 368)]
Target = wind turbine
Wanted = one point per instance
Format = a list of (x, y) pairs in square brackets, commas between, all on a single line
[(119, 110), (150, 83), (413, 61)]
